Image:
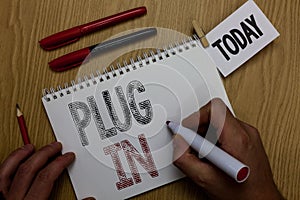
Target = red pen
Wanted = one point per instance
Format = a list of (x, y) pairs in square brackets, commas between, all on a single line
[(73, 34), (76, 58)]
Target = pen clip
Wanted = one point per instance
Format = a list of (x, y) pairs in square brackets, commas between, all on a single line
[(49, 48)]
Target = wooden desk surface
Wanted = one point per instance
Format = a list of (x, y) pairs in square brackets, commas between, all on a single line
[(264, 92)]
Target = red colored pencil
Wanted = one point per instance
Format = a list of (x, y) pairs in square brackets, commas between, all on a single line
[(22, 126)]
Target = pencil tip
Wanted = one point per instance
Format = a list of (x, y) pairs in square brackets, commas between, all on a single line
[(167, 122), (19, 112)]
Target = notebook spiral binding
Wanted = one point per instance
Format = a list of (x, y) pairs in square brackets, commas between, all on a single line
[(141, 61)]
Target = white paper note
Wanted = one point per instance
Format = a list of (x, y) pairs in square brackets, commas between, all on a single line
[(239, 37)]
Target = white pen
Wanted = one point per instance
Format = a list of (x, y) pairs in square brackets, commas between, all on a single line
[(230, 165)]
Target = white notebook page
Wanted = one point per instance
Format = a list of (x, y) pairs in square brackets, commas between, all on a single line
[(138, 142)]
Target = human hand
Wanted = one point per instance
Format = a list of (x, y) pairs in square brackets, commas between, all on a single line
[(238, 139), (26, 174)]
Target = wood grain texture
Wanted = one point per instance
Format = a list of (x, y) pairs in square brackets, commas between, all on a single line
[(264, 92)]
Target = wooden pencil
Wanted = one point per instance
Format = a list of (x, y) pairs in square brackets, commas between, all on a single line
[(22, 125)]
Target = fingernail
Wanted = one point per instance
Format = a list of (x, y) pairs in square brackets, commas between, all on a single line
[(55, 144), (70, 154), (28, 147), (89, 198), (179, 142)]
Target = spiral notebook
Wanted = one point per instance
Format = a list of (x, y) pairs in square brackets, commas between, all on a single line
[(115, 121)]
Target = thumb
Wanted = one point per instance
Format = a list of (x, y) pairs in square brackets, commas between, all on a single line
[(202, 173)]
